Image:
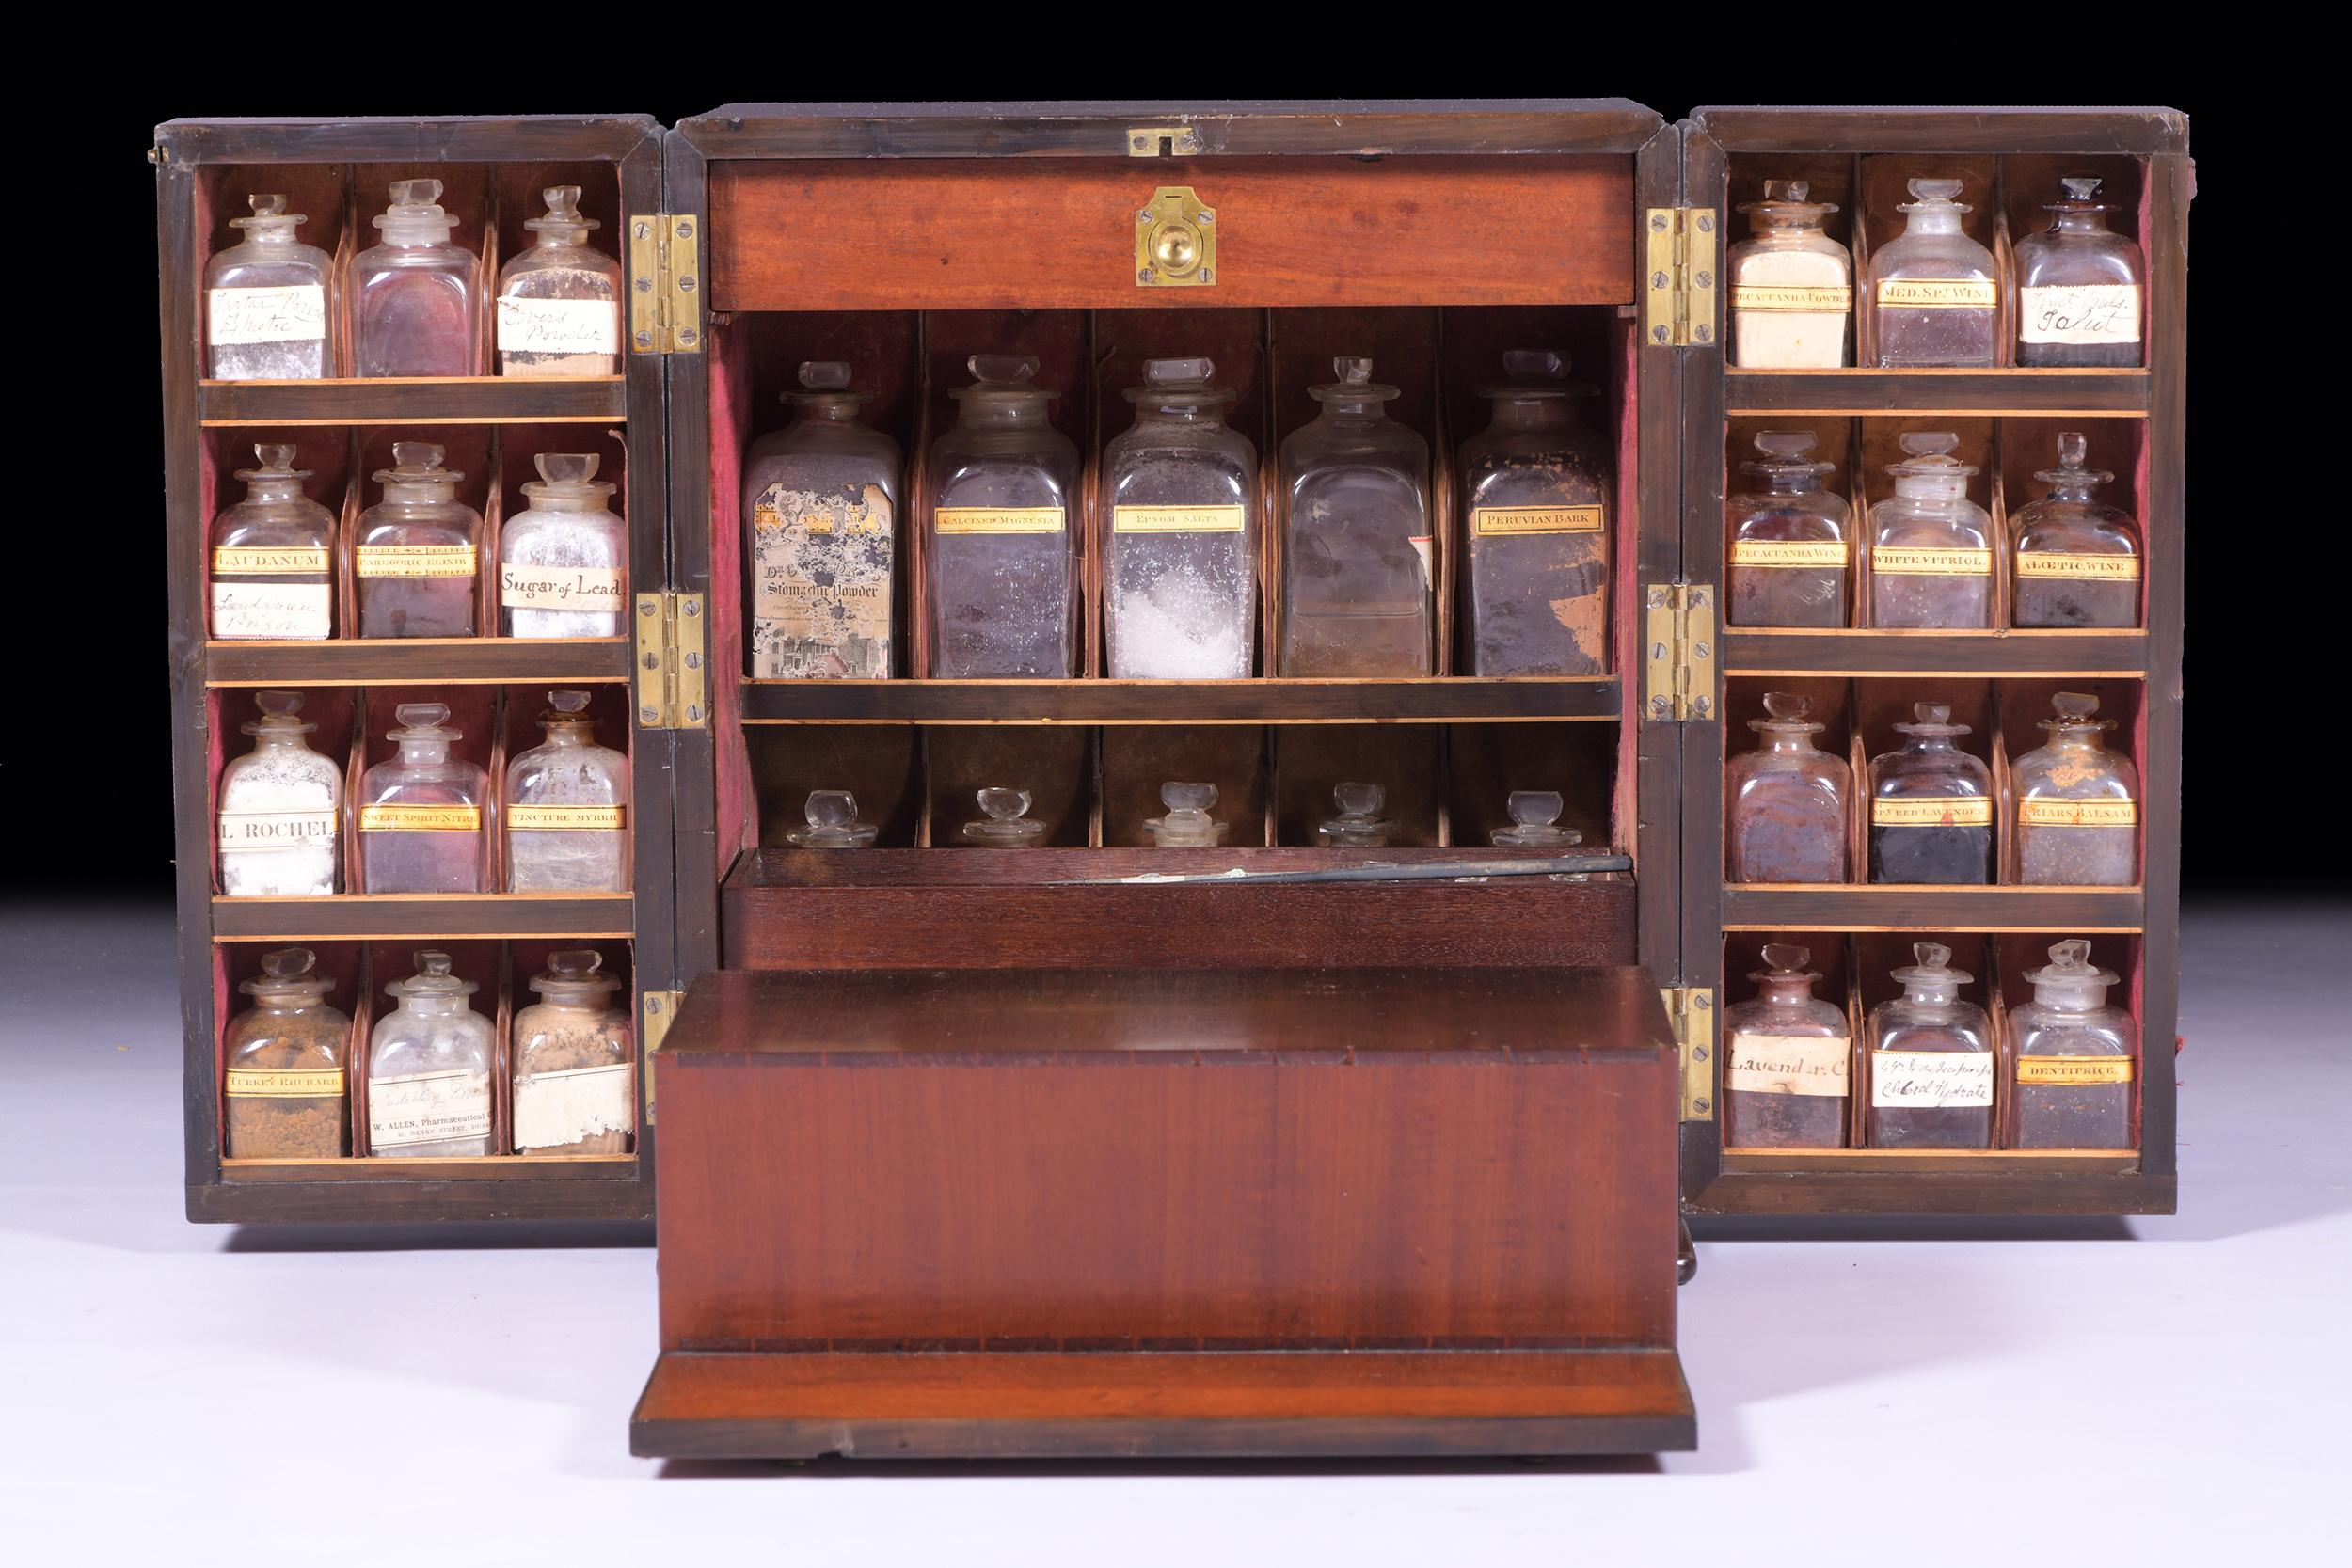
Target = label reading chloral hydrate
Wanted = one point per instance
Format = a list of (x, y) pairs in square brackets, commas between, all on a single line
[(1780, 554), (566, 819), (2078, 313), (2110, 813), (1792, 296), (260, 1083), (998, 519), (1957, 813), (1918, 561), (2064, 564), (2074, 1070), (1787, 1064), (415, 561), (555, 1109), (1936, 293), (419, 820), (428, 1108), (276, 830), (1535, 519), (1930, 1079), (558, 325), (294, 314), (1176, 519), (589, 589)]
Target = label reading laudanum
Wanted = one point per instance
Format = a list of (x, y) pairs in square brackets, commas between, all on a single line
[(554, 1109), (1782, 553), (260, 1082), (1176, 519), (2074, 1070), (1792, 296), (428, 1108), (419, 820), (294, 314), (2109, 812), (268, 561), (558, 325), (1916, 561), (1959, 812), (566, 819), (1535, 519), (416, 560), (2061, 563), (276, 830), (1787, 1064), (297, 612), (590, 589), (2078, 313), (1937, 294), (998, 519), (1930, 1079)]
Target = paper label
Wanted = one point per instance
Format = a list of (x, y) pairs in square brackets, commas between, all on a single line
[(558, 325), (1780, 553), (296, 611), (2060, 563), (427, 1108), (873, 517), (1787, 1064), (1913, 560), (258, 1082), (2041, 812), (2074, 1070), (1959, 812), (1937, 294), (419, 820), (276, 830), (269, 560), (416, 560), (998, 519), (1176, 519), (1425, 547), (294, 314), (1930, 1079), (591, 589), (2078, 313), (1792, 296), (822, 582), (1535, 519), (553, 1109), (567, 818)]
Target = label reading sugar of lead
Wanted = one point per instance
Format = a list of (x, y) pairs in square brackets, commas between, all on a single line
[(1955, 813), (558, 325), (2089, 313), (2065, 564), (1916, 560), (566, 819), (1937, 294), (419, 820), (2042, 813), (1930, 1079), (253, 1083), (1176, 519), (1780, 554), (276, 830), (1787, 1064), (294, 314), (1792, 296), (427, 1108), (998, 519), (271, 612), (2074, 1070), (556, 1109), (592, 589), (1535, 519), (415, 561)]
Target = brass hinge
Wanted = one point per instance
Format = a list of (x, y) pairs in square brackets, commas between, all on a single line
[(1691, 1008), (665, 301), (673, 677), (1679, 261), (660, 1012), (1679, 634)]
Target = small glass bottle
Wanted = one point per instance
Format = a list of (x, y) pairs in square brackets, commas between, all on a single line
[(1930, 1068), (268, 300), (418, 556), (1357, 561), (1791, 542), (418, 295), (429, 1069), (2070, 1077), (282, 1076), (1788, 1057), (1791, 284), (2078, 559), (2080, 286), (574, 1061), (564, 558), (1931, 547), (1188, 824), (1931, 806), (421, 814), (1004, 557), (274, 558), (1788, 800), (821, 505), (832, 823), (1358, 824), (1534, 822), (1181, 559), (1937, 293), (2078, 804), (559, 311), (1004, 822), (281, 809), (566, 807), (1535, 504)]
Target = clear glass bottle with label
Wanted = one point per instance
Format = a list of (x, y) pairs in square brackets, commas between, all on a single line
[(1535, 506), (575, 1061), (2078, 804), (1931, 547), (1004, 822), (1357, 821), (1928, 1073), (820, 509), (1791, 542), (1788, 1059), (417, 295), (1188, 824), (1936, 291), (2078, 559), (420, 812), (559, 303), (1791, 284), (1358, 553), (1788, 800), (418, 551), (2081, 287), (2070, 1072), (833, 824), (282, 1066), (1534, 822), (269, 301), (1004, 549), (1181, 559), (1931, 806), (429, 1069), (564, 558), (274, 558), (281, 809), (566, 807)]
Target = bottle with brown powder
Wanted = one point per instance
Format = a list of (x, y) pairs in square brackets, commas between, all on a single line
[(283, 1083), (574, 1065), (1787, 800), (2078, 804), (1787, 1056)]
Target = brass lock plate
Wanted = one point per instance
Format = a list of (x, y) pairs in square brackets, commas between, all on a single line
[(1175, 241)]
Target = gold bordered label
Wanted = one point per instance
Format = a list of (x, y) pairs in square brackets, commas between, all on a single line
[(270, 560), (2074, 1070), (819, 515), (1787, 1064), (416, 560), (427, 1108), (260, 1083), (567, 818), (1792, 296), (2046, 812), (1937, 294), (1536, 519), (1930, 1079), (998, 519), (1957, 812), (419, 820), (295, 313), (1918, 561), (1176, 519), (2063, 563), (2078, 313), (589, 589), (1782, 553), (276, 830)]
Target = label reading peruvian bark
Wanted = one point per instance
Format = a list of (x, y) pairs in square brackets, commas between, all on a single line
[(566, 819), (1937, 294), (554, 1109), (2074, 1070), (294, 314), (1787, 1064), (292, 611), (558, 325), (1792, 296), (276, 830), (2111, 812), (1176, 519), (1916, 561), (268, 561), (2062, 564), (1535, 519), (592, 588), (1930, 1079), (1957, 813), (427, 1108), (419, 820), (416, 560), (2078, 313), (998, 519), (259, 1083), (1783, 553)]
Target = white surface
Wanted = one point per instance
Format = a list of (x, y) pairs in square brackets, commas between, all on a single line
[(172, 1393)]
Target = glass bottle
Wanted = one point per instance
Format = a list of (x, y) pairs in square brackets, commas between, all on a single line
[(1937, 293), (274, 558), (421, 814), (1931, 551), (559, 310), (281, 809), (574, 1061), (566, 807), (2077, 560), (1791, 284), (1535, 500), (419, 550), (1358, 824), (1356, 545), (418, 307), (1786, 1059), (1931, 806), (1788, 800), (564, 558), (1930, 1066), (1188, 824), (2070, 1078), (429, 1069), (820, 502), (1004, 557), (1180, 560), (2078, 804), (1536, 822), (1004, 822), (282, 1075), (268, 300), (1791, 542), (832, 823), (2080, 286)]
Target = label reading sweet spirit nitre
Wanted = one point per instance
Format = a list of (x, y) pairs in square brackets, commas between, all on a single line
[(1491, 521), (294, 314), (258, 1082), (1176, 519), (2088, 314), (1937, 294), (1930, 1079), (2110, 813), (566, 819), (2074, 1070), (419, 820), (1783, 554), (1787, 1064), (1809, 298), (416, 560), (2066, 563), (998, 519), (1956, 813), (1918, 561)]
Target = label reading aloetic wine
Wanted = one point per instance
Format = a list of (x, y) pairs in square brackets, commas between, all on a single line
[(2067, 564)]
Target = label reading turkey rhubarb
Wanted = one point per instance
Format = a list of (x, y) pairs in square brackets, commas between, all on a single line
[(2077, 814), (1937, 294), (1782, 553), (2061, 564), (260, 1083), (592, 589), (556, 1109), (276, 830), (1916, 561), (416, 560), (1955, 813), (1792, 296), (1492, 520), (559, 327), (427, 1108), (419, 820), (2078, 313), (1787, 1064), (2074, 1070), (566, 819), (294, 314), (1930, 1079)]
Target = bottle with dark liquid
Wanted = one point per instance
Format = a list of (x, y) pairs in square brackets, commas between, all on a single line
[(2077, 560), (1930, 1069), (1791, 541), (1356, 547), (419, 550), (1935, 290), (1787, 801), (2080, 286), (1004, 557), (821, 508), (1535, 500), (1931, 806), (1931, 547), (2078, 804), (1787, 1056), (2070, 1081)]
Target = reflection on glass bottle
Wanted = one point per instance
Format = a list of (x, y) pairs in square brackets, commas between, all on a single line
[(833, 824), (1357, 549), (282, 1078), (1936, 291), (1004, 822), (1535, 496), (1357, 823), (562, 561), (1188, 824), (1791, 284), (429, 1069), (2078, 559), (1004, 557), (418, 309), (1536, 822), (1181, 559), (2070, 1081), (418, 554), (269, 301), (281, 809), (1931, 1065), (1931, 547), (1791, 541), (567, 809), (1786, 1060), (421, 814), (274, 558), (821, 505), (559, 311), (1931, 806), (2078, 804), (1788, 800), (2079, 286), (574, 1051)]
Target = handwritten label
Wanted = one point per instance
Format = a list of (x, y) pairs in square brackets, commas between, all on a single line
[(1536, 519), (1176, 519), (1916, 561), (1780, 554), (294, 314), (268, 561), (416, 560), (2065, 564), (1930, 1079), (583, 588), (2045, 812), (289, 611), (1792, 296), (1787, 1063), (1959, 812), (419, 820), (256, 1083), (558, 326), (2078, 313), (1937, 294), (998, 519), (276, 830), (414, 1108), (2074, 1070), (567, 818), (555, 1109)]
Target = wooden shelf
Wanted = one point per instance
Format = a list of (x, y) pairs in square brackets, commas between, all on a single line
[(1911, 906), (2114, 393), (425, 399), (418, 661), (1805, 651), (337, 1192), (2007, 1183), (446, 916), (1436, 699)]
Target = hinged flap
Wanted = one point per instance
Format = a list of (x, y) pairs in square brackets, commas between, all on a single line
[(673, 674), (1678, 651), (1678, 277), (664, 284)]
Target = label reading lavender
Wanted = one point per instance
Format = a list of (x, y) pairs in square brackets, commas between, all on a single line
[(592, 589), (1787, 1064), (558, 325), (2078, 313), (428, 1108), (294, 314), (1930, 1079)]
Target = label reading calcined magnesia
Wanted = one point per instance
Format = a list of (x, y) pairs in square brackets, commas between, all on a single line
[(416, 560), (1957, 812), (1916, 561), (590, 589), (998, 519), (2074, 1070), (1930, 1079), (294, 314), (427, 1108), (276, 830), (555, 1109), (1937, 294), (1176, 519), (1778, 554), (2086, 313), (1787, 1064), (558, 325), (2065, 564), (2110, 813), (1493, 521)]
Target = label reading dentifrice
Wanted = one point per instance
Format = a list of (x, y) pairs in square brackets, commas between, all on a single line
[(1930, 1079), (2074, 1070)]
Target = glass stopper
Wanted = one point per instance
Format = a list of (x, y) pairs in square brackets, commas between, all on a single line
[(1004, 368), (1929, 443), (416, 193), (2071, 472), (1189, 797), (1358, 800), (1004, 804), (432, 965), (566, 467), (568, 701), (1534, 363), (1930, 955), (292, 963), (278, 705), (563, 215), (276, 462), (824, 375), (577, 963), (1787, 711), (1172, 373), (830, 808), (1786, 959), (2081, 189), (421, 720), (1790, 446), (1535, 808), (1351, 372), (1535, 814), (1787, 190), (1188, 824), (1005, 823), (269, 216), (1933, 196), (833, 824)]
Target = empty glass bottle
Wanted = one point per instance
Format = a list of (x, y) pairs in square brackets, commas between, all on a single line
[(421, 814), (2078, 559), (429, 1069), (274, 558), (1787, 1060), (2069, 1080), (1791, 542), (1932, 551), (1937, 293), (1188, 824), (282, 1075), (268, 301), (1357, 823), (2079, 286), (1931, 806), (1788, 800), (1004, 822), (1791, 284), (416, 306), (820, 506), (559, 311), (419, 550), (2078, 804), (832, 823), (564, 558), (1004, 557), (566, 808), (1534, 822), (281, 809), (1535, 500), (1181, 559), (574, 1061), (1358, 554), (1930, 1068)]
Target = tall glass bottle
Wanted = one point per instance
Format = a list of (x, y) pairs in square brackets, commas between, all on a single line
[(566, 807), (1535, 508), (1931, 806), (1788, 801), (417, 306), (1931, 547), (1791, 541), (559, 311), (1791, 284), (1356, 547), (269, 301), (282, 1068), (820, 509), (573, 1061), (2078, 804), (418, 551), (564, 558), (421, 814), (2077, 560), (2080, 286), (1180, 568), (429, 1069), (2070, 1072), (1787, 1060), (281, 809), (1003, 556), (1936, 291), (1930, 1068), (274, 558)]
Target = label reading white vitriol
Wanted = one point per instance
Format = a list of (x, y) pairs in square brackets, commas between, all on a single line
[(2078, 313), (427, 1108), (294, 314), (1930, 1079), (559, 327), (555, 1109)]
